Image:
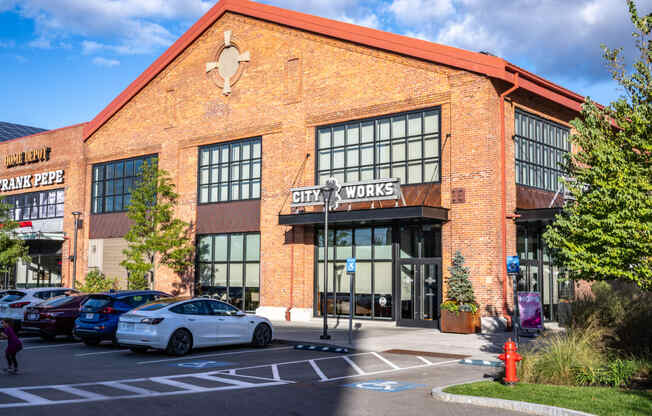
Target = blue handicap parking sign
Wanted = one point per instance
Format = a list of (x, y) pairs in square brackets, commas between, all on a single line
[(385, 386), (513, 265), (202, 364), (350, 265)]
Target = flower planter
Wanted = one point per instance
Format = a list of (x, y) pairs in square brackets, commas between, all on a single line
[(460, 322)]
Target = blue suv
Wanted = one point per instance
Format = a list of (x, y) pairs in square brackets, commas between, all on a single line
[(99, 315)]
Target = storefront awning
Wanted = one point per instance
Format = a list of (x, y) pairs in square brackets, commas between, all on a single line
[(541, 214), (367, 215), (41, 236)]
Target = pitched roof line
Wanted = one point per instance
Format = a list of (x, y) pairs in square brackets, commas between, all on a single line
[(490, 66)]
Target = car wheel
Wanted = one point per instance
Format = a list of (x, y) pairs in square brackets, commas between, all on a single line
[(262, 336), (91, 341), (180, 343), (139, 350)]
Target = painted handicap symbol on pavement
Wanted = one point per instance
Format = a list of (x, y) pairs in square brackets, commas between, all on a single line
[(202, 364), (385, 386)]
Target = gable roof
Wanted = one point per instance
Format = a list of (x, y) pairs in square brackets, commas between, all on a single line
[(488, 65), (10, 131)]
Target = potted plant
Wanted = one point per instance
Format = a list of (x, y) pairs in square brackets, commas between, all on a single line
[(459, 313)]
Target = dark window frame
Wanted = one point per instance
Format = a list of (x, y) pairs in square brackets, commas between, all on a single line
[(376, 142), (319, 265), (11, 200), (538, 151), (125, 193), (217, 167), (227, 263)]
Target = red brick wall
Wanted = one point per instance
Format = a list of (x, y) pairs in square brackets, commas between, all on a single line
[(294, 82), (67, 154)]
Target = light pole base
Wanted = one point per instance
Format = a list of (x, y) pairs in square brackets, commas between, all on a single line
[(324, 337)]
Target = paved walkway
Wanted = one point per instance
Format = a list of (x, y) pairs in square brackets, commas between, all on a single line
[(383, 336)]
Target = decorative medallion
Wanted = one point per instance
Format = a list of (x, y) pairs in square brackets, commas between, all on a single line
[(229, 64)]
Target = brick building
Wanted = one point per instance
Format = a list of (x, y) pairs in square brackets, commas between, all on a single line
[(255, 100)]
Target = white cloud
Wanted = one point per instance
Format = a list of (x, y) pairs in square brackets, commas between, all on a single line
[(370, 20), (128, 26), (413, 11), (99, 61), (552, 37), (472, 35), (40, 43)]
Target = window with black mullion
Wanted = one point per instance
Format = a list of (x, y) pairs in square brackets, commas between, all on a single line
[(405, 146), (113, 182), (230, 171)]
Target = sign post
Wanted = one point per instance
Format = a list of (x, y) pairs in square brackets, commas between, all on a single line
[(513, 268), (350, 270)]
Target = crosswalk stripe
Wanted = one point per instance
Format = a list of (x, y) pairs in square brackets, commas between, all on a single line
[(25, 396), (127, 387)]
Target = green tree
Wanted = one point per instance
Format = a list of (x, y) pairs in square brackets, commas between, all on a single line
[(12, 248), (95, 281), (606, 232), (156, 237), (460, 289)]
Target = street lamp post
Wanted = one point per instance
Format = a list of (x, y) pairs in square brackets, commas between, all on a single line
[(75, 214), (327, 191)]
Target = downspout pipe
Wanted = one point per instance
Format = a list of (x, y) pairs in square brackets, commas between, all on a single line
[(503, 194)]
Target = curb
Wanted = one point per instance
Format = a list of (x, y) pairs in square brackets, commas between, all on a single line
[(525, 407)]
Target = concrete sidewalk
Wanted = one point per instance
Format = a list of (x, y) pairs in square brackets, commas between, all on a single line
[(382, 336)]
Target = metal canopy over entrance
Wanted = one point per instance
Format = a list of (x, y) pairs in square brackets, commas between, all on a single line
[(370, 215)]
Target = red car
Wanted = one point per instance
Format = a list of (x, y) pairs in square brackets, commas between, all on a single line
[(55, 316)]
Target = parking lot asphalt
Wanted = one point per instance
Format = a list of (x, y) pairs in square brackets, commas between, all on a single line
[(64, 377)]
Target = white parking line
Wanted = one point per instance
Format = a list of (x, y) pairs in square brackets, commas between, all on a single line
[(101, 352), (424, 360), (131, 392), (320, 373), (191, 357), (354, 365), (51, 346), (391, 371), (385, 360)]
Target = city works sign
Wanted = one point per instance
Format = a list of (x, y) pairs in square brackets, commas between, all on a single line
[(29, 181), (30, 156), (348, 193)]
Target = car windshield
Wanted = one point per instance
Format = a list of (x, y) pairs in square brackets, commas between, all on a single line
[(159, 304), (12, 296), (97, 301), (58, 301)]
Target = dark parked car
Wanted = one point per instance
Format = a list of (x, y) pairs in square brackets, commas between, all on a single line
[(99, 315), (55, 316)]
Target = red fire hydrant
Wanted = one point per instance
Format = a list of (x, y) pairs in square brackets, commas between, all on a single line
[(510, 357)]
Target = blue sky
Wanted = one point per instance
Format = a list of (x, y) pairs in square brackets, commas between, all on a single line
[(63, 61)]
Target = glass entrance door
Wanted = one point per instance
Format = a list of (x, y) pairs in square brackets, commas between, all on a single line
[(420, 293)]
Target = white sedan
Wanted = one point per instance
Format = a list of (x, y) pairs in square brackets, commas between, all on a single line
[(179, 325)]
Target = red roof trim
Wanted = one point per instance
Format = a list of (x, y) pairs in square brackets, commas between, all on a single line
[(471, 61)]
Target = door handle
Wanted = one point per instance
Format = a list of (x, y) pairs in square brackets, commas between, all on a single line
[(191, 319)]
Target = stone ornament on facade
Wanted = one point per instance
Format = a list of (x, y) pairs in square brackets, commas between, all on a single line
[(229, 64)]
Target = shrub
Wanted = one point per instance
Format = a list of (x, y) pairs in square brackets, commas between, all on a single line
[(460, 290), (556, 358), (623, 311), (95, 282)]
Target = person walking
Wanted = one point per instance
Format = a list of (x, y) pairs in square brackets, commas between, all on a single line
[(13, 346)]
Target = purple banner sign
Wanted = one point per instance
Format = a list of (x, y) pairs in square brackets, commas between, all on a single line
[(529, 310)]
